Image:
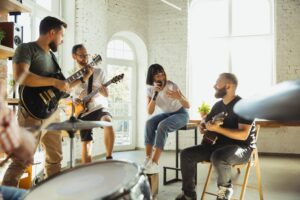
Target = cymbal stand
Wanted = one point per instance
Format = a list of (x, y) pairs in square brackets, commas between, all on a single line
[(72, 135)]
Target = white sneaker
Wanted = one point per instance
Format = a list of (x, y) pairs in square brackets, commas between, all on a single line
[(224, 193), (146, 161), (151, 168)]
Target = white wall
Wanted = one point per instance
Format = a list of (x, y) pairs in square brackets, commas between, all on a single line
[(287, 23), (163, 29)]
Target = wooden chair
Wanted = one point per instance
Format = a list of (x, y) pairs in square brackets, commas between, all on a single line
[(253, 162)]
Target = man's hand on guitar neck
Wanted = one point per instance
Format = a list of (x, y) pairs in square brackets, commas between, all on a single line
[(103, 91)]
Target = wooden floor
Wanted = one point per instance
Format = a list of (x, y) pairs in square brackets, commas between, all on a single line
[(280, 177)]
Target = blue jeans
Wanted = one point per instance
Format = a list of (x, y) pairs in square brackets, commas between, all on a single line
[(158, 127), (12, 193)]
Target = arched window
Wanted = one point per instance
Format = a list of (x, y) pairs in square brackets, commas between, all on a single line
[(121, 59), (230, 36)]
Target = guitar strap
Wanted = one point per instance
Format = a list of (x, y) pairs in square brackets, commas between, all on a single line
[(62, 77), (90, 84)]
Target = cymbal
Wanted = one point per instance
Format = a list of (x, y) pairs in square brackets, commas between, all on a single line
[(76, 125), (281, 102)]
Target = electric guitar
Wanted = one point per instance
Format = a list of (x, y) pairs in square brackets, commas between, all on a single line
[(81, 104), (211, 137), (41, 102)]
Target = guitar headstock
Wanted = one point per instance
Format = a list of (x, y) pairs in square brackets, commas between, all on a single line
[(219, 118), (95, 60), (117, 78)]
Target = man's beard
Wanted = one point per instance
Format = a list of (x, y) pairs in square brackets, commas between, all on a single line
[(53, 46), (220, 93)]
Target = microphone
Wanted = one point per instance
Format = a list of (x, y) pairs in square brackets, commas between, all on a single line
[(157, 83)]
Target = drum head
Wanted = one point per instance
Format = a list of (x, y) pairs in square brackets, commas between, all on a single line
[(93, 181)]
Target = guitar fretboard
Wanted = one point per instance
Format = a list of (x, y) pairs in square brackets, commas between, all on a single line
[(80, 73), (94, 92)]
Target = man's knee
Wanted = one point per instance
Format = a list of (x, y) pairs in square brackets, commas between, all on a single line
[(217, 158)]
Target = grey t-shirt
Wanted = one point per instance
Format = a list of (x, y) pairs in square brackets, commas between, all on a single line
[(40, 62)]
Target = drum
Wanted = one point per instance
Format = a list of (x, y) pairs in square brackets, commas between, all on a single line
[(99, 180)]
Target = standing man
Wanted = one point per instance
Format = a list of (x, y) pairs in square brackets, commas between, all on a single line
[(234, 143), (97, 108), (34, 65)]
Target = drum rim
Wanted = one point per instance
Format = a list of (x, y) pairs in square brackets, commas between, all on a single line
[(113, 194)]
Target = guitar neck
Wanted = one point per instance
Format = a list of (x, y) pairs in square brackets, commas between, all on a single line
[(77, 75), (94, 92), (80, 73)]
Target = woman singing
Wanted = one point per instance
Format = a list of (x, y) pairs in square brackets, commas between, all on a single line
[(167, 96)]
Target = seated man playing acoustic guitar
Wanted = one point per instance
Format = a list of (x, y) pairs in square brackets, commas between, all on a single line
[(96, 108), (234, 143)]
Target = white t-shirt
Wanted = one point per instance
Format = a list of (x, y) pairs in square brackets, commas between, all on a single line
[(165, 103), (98, 101)]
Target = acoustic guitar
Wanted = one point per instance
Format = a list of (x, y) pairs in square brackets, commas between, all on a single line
[(211, 137), (41, 102)]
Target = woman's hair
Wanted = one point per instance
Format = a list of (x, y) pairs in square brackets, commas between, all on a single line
[(152, 71)]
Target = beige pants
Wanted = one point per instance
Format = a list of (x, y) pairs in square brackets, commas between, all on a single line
[(51, 142)]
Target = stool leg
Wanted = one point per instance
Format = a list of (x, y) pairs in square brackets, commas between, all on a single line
[(259, 184), (207, 181), (245, 181), (177, 154), (196, 163)]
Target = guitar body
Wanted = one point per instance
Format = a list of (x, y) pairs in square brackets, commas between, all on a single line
[(79, 108), (211, 137), (40, 102)]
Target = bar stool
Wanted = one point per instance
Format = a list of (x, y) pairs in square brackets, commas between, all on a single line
[(189, 126)]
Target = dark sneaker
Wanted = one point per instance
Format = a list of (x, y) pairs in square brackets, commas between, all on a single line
[(224, 193), (184, 197)]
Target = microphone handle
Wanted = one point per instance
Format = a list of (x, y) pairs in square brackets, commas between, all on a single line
[(155, 96)]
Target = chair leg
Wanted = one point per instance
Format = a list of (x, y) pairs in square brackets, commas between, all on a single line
[(207, 181), (258, 175), (244, 186)]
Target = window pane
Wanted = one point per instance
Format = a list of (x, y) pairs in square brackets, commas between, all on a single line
[(251, 17), (119, 49), (209, 18), (252, 64), (120, 102), (209, 58), (45, 4), (123, 130)]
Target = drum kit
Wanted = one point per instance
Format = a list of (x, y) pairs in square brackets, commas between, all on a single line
[(99, 180), (125, 180)]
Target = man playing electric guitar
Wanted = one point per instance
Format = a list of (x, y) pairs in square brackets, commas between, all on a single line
[(96, 108), (35, 65), (234, 145)]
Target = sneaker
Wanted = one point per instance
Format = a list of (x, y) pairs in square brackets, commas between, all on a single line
[(182, 196), (224, 193), (146, 161), (151, 168)]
